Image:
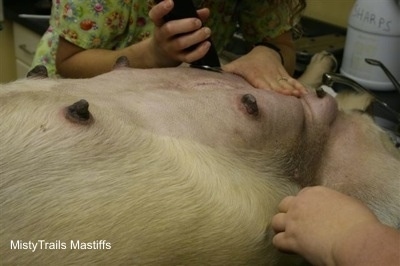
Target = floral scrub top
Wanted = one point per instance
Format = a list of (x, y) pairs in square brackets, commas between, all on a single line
[(115, 24)]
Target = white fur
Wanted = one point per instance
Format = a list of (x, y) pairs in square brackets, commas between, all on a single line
[(159, 200)]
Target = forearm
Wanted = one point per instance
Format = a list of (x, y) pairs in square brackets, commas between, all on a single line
[(289, 57), (92, 62), (372, 244)]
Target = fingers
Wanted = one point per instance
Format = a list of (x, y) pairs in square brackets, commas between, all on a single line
[(181, 26), (283, 243), (279, 222), (185, 33), (158, 11), (199, 52), (276, 81), (203, 14), (282, 239), (182, 40), (285, 204), (177, 46), (288, 86), (161, 9)]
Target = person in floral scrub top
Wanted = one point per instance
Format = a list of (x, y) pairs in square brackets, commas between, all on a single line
[(86, 37)]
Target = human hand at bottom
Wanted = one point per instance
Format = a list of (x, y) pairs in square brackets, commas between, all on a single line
[(318, 222)]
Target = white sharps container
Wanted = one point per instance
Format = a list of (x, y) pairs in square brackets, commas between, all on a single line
[(373, 32)]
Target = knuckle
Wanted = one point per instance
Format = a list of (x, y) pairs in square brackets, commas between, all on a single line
[(167, 29), (179, 43), (188, 58)]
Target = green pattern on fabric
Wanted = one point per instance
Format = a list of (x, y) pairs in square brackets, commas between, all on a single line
[(115, 24), (107, 24)]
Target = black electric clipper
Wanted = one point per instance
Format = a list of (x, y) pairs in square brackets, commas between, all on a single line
[(186, 9)]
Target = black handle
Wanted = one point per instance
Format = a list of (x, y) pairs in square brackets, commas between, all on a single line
[(186, 9)]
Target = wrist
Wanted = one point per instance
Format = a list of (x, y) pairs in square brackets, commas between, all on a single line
[(149, 51), (156, 57), (142, 54), (355, 248), (272, 47)]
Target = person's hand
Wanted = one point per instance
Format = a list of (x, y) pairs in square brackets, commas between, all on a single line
[(316, 223), (171, 39), (263, 69)]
